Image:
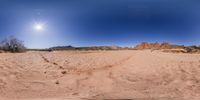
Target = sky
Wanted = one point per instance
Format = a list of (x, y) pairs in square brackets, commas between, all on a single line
[(100, 22)]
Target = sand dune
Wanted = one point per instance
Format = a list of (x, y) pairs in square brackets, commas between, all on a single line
[(63, 75)]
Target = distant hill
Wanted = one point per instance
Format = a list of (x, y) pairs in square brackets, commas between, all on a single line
[(69, 47), (88, 48), (100, 48), (165, 47)]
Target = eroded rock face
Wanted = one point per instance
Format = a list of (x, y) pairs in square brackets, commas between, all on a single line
[(143, 45), (165, 45), (156, 45), (168, 47)]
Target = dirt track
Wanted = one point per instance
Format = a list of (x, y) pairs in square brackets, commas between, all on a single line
[(138, 75)]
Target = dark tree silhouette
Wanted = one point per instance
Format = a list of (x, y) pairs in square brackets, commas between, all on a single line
[(12, 44)]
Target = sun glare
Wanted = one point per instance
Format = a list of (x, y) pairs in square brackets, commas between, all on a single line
[(39, 27)]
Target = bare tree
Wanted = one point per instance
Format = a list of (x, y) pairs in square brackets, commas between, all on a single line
[(12, 44)]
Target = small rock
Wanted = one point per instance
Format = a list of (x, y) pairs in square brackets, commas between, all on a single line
[(64, 72), (57, 82)]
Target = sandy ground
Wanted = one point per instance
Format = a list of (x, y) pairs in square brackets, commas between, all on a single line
[(63, 75)]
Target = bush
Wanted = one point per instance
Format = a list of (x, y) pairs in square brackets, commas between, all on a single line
[(12, 44)]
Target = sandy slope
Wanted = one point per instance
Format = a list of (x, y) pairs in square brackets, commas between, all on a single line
[(138, 75)]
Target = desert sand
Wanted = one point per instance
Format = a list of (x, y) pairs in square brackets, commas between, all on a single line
[(124, 74)]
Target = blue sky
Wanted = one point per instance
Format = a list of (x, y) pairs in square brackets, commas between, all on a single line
[(100, 22)]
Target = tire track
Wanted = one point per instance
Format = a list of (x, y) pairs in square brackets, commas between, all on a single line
[(48, 61), (75, 70), (89, 71)]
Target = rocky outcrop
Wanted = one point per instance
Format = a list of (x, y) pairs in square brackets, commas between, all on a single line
[(192, 49), (166, 47), (145, 45)]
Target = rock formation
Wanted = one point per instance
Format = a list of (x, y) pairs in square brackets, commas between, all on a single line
[(145, 45)]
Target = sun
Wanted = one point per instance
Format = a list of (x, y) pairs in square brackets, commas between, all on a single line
[(39, 27)]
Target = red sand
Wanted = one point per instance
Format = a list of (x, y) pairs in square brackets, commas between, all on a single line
[(63, 75)]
